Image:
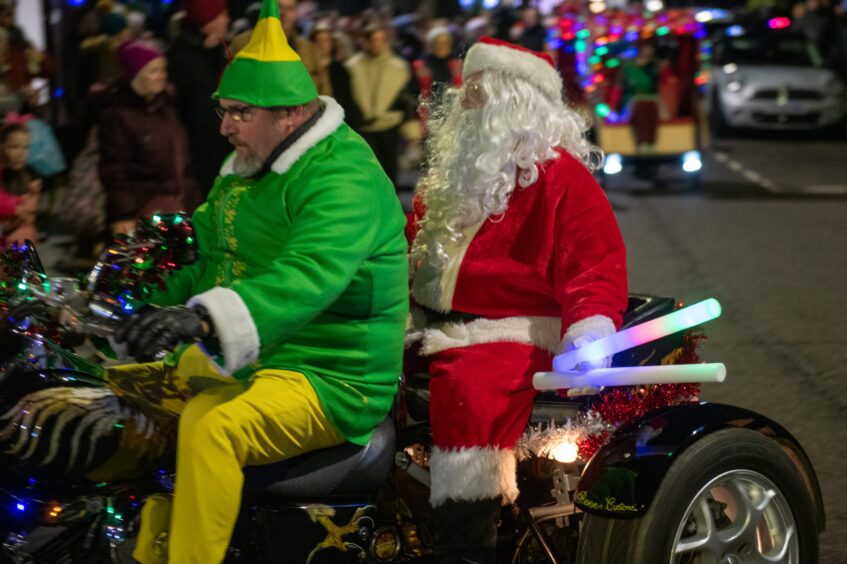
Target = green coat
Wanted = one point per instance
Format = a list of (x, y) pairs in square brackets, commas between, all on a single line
[(305, 269)]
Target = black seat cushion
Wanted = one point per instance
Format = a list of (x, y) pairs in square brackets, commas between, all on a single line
[(346, 469)]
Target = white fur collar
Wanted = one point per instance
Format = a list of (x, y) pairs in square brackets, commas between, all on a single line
[(331, 119)]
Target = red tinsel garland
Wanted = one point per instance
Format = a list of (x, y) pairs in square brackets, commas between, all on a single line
[(620, 405)]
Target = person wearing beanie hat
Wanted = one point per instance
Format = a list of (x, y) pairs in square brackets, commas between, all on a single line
[(196, 58), (133, 56), (209, 16), (511, 231), (299, 298), (144, 162), (103, 47)]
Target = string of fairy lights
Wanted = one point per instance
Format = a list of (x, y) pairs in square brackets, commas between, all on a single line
[(599, 41)]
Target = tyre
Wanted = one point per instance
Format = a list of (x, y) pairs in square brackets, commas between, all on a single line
[(732, 497)]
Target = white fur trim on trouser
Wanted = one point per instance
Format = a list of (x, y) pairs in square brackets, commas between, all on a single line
[(474, 473), (542, 332), (484, 56), (234, 326)]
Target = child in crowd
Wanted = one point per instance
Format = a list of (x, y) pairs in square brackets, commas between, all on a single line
[(21, 186)]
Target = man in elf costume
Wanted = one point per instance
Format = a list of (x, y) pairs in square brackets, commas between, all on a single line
[(296, 307), (516, 256)]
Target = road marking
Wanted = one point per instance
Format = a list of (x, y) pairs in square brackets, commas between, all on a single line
[(750, 175), (828, 189)]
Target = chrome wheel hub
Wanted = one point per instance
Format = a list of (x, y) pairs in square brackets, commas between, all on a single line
[(739, 517)]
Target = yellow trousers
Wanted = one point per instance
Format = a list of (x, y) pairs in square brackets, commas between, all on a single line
[(222, 429)]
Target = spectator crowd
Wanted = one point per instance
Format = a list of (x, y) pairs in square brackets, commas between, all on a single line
[(145, 124)]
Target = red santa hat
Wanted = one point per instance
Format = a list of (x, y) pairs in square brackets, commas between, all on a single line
[(534, 67)]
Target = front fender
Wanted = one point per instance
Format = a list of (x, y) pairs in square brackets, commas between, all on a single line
[(623, 477)]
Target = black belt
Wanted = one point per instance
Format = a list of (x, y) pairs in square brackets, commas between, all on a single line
[(436, 317)]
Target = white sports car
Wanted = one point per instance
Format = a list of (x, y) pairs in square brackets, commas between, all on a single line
[(772, 80)]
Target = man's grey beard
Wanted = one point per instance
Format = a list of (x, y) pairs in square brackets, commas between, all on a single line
[(247, 166)]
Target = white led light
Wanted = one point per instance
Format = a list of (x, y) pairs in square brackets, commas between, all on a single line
[(691, 161), (613, 165), (565, 451)]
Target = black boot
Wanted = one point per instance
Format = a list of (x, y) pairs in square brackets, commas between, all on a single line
[(467, 531)]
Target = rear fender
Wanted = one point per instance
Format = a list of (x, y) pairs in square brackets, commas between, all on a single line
[(623, 477)]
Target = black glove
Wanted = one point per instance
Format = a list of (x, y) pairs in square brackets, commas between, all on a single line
[(155, 329)]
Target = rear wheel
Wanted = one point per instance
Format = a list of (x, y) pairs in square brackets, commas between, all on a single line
[(734, 497)]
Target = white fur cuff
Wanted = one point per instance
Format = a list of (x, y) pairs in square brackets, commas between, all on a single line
[(234, 326), (474, 473)]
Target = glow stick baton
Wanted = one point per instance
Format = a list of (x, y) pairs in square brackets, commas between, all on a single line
[(643, 333), (631, 376)]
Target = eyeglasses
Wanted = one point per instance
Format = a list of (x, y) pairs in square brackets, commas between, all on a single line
[(238, 114)]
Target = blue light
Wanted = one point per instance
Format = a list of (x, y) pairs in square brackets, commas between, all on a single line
[(76, 3), (735, 31), (20, 507), (466, 3), (488, 4), (58, 92)]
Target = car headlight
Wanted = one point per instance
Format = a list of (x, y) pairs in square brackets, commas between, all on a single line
[(691, 162), (613, 164), (734, 86)]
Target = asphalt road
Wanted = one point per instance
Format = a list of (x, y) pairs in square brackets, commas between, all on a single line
[(766, 234)]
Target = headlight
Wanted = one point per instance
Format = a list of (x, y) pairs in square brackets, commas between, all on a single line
[(565, 451), (735, 86), (691, 161), (614, 164)]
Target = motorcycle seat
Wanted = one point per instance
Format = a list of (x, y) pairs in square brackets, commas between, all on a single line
[(342, 470)]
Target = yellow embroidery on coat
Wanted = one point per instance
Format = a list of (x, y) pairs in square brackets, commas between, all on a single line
[(227, 211)]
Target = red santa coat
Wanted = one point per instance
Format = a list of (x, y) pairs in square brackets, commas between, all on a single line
[(554, 259)]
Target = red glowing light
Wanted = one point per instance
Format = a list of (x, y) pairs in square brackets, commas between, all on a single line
[(779, 23)]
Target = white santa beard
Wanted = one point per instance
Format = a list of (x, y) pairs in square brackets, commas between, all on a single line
[(475, 176), (472, 174)]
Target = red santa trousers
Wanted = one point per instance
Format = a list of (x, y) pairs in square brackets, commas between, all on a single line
[(481, 398)]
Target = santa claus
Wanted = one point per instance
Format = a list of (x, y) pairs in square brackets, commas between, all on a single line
[(516, 256)]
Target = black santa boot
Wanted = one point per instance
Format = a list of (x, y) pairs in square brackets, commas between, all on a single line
[(467, 531)]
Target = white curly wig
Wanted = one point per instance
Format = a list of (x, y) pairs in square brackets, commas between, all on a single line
[(477, 157)]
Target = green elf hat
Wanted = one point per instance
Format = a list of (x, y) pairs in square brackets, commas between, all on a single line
[(267, 72)]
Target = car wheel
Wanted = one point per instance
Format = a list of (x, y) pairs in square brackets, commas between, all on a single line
[(717, 120), (733, 496)]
